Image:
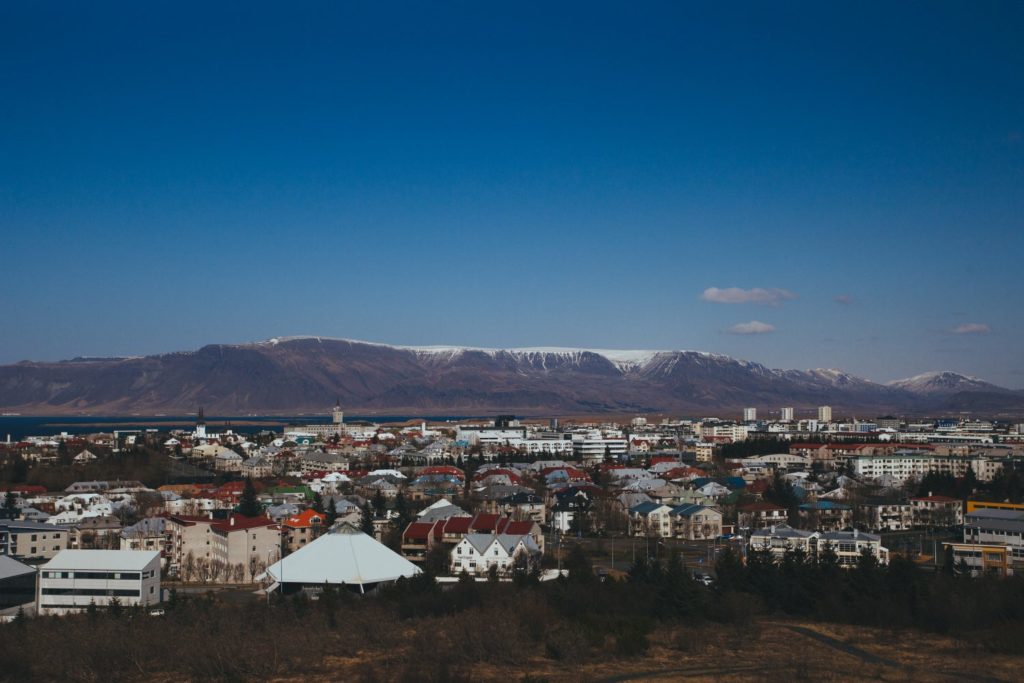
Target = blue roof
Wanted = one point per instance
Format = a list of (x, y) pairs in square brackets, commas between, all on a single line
[(824, 505), (735, 482), (644, 508)]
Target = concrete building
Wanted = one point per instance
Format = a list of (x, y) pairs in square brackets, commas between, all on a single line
[(75, 578), (786, 415), (750, 414), (32, 541), (825, 414)]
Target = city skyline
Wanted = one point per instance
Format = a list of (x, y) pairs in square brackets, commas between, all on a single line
[(796, 185)]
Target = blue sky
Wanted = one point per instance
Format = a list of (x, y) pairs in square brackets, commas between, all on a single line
[(519, 174)]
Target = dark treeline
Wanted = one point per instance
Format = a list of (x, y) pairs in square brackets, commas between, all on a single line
[(417, 630), (987, 612)]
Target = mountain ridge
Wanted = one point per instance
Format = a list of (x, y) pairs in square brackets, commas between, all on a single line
[(292, 374)]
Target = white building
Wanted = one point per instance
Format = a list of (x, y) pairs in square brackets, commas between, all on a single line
[(786, 415), (75, 578), (477, 553), (825, 414), (594, 446), (750, 414)]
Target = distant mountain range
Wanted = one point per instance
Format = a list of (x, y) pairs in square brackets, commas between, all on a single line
[(307, 374)]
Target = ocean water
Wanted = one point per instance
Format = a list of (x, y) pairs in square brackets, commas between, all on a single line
[(21, 426)]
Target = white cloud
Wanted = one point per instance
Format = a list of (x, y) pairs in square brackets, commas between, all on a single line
[(971, 328), (757, 295), (753, 327)]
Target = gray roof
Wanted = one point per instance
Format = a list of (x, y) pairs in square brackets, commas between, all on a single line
[(10, 567), (102, 559), (782, 531)]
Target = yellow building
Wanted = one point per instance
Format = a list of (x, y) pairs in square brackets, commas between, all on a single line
[(973, 505), (982, 558)]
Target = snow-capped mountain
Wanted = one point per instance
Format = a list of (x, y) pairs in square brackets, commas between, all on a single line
[(945, 382), (293, 374)]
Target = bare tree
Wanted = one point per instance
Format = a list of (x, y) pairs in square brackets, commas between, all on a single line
[(188, 569)]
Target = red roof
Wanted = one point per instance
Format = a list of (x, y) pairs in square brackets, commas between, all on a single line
[(655, 459), (457, 525), (444, 470), (484, 522), (418, 531), (760, 507), (507, 526), (23, 488), (238, 522), (304, 519)]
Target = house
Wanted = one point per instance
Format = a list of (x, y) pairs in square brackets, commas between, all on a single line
[(300, 529), (478, 553), (257, 467), (979, 559), (760, 515), (151, 533), (880, 515), (99, 531), (825, 515), (650, 519), (32, 540), (74, 579), (847, 546), (231, 550), (937, 511), (227, 460), (694, 522), (84, 457)]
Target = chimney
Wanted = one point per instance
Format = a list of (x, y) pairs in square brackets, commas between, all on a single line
[(232, 520), (929, 494), (855, 533)]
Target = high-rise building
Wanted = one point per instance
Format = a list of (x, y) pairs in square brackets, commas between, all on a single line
[(824, 413), (787, 415), (749, 414)]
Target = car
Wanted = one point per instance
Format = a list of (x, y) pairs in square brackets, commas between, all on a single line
[(704, 579)]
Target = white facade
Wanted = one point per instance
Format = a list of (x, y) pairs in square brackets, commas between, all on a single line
[(595, 445), (750, 414), (825, 414), (477, 553), (75, 578), (786, 415)]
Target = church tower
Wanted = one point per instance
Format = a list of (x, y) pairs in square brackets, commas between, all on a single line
[(200, 425), (337, 417)]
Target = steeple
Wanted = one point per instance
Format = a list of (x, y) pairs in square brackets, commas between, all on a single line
[(337, 417)]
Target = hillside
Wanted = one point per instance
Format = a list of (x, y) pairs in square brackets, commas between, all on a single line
[(310, 373)]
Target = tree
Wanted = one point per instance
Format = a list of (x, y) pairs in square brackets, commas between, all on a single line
[(10, 509), (366, 523), (402, 514), (114, 608), (380, 506), (318, 503), (248, 504)]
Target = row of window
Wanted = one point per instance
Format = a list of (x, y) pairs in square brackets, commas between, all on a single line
[(120, 576), (96, 592)]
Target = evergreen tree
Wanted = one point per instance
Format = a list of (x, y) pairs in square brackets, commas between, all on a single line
[(248, 504), (366, 523), (114, 608), (318, 503), (10, 508), (401, 511), (380, 506)]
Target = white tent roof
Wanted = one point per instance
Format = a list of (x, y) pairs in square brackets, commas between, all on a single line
[(344, 555)]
